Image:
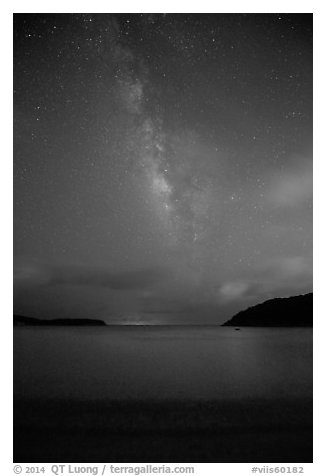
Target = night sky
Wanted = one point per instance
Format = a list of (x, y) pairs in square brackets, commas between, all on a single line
[(162, 164)]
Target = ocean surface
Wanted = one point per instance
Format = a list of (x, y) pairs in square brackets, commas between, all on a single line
[(162, 394), (165, 362)]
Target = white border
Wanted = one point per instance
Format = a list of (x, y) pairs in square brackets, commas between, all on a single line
[(60, 6)]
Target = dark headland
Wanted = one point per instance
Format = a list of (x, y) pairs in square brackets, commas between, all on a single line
[(295, 311), (32, 321)]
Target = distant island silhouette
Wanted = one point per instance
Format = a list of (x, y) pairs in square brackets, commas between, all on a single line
[(295, 311), (32, 321)]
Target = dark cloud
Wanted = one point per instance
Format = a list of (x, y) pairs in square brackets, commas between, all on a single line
[(292, 187), (41, 275)]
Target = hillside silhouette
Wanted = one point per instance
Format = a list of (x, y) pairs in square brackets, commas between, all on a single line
[(32, 321), (295, 311)]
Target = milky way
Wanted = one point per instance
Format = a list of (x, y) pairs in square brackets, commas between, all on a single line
[(162, 164)]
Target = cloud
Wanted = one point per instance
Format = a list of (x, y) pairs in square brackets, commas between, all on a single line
[(42, 275), (232, 291), (286, 269), (277, 276), (294, 187)]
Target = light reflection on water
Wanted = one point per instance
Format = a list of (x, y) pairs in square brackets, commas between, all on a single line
[(162, 362)]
